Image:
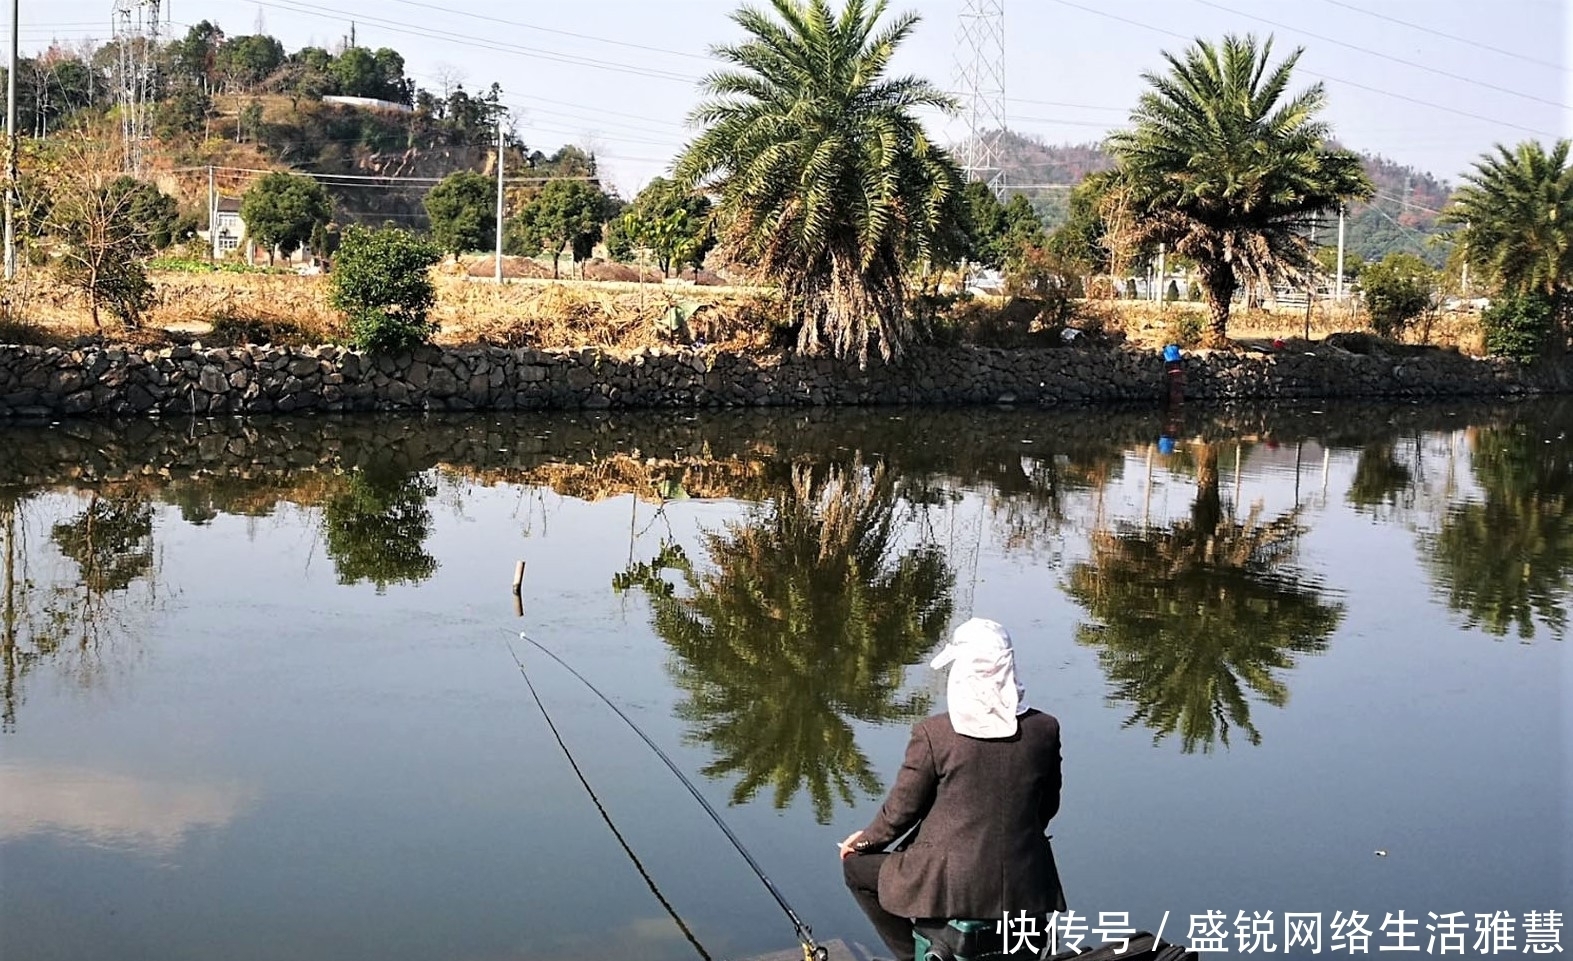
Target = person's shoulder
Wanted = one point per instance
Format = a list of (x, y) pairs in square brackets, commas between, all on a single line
[(933, 724), (1036, 720)]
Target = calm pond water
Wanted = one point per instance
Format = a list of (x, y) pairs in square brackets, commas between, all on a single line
[(259, 701)]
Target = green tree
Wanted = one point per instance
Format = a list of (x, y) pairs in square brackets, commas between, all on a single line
[(561, 214), (805, 622), (1397, 290), (282, 209), (463, 212), (1506, 562), (1190, 620), (983, 226), (1227, 172), (828, 182), (196, 56), (673, 221), (381, 281), (1082, 242), (246, 61)]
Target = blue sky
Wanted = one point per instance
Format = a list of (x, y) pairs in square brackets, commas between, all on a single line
[(619, 75)]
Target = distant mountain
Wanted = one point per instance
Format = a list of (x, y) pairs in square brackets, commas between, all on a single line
[(1401, 217)]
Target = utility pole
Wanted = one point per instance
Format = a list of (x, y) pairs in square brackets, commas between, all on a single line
[(1163, 287), (1338, 291), (497, 270), (1463, 281), (11, 173), (212, 212)]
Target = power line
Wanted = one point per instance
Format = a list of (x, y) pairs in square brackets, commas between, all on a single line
[(1406, 203), (1348, 83), (561, 33), (1448, 36), (1377, 53), (419, 30)]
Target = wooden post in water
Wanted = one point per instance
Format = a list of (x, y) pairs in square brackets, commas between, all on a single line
[(518, 586)]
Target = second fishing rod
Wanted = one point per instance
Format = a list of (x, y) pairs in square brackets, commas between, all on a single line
[(812, 950)]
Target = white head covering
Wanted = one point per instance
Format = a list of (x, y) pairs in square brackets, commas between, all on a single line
[(982, 693)]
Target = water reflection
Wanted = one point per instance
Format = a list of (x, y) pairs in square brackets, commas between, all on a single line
[(804, 620), (151, 816), (1506, 562), (376, 525), (1381, 482), (48, 613), (1191, 619)]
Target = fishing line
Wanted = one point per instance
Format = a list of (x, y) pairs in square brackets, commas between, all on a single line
[(638, 865), (812, 951)]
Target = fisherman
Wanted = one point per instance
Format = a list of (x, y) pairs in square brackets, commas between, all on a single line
[(979, 783)]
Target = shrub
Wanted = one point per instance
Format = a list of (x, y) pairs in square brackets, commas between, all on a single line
[(1171, 293), (1518, 327), (1187, 329), (1397, 290), (381, 282)]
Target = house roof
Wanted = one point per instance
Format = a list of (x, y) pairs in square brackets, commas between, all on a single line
[(229, 205)]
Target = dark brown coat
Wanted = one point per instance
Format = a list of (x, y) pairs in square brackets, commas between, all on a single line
[(984, 805)]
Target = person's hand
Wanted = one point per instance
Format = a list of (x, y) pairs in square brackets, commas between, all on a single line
[(846, 846)]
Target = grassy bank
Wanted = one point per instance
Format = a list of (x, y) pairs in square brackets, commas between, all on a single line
[(531, 311)]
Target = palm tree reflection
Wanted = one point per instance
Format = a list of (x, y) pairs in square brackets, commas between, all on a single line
[(805, 621), (1194, 618), (1505, 562)]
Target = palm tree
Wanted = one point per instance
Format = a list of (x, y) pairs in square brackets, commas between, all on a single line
[(827, 181), (1189, 621), (1226, 171), (806, 621), (1517, 211)]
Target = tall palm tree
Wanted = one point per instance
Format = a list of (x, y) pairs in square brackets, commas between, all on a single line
[(806, 621), (827, 181), (1227, 169), (1517, 211)]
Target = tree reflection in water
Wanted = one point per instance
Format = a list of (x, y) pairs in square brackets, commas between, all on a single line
[(45, 617), (1505, 562), (376, 527), (804, 621), (1194, 618)]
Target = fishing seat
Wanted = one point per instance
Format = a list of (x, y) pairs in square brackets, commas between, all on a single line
[(958, 940), (968, 940)]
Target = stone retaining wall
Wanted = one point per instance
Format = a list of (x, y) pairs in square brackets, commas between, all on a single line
[(38, 381)]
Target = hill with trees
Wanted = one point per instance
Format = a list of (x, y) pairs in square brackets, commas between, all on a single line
[(243, 102)]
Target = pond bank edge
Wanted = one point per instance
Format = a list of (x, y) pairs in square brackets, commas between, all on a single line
[(110, 380)]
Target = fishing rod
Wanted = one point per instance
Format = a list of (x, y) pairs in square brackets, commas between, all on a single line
[(812, 950), (638, 865)]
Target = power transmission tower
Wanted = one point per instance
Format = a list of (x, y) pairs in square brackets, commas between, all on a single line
[(980, 70), (138, 34)]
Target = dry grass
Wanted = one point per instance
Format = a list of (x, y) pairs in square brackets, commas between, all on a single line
[(230, 308), (533, 311), (1149, 324)]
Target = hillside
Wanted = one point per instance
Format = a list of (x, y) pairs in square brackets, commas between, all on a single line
[(240, 104), (1401, 217)]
